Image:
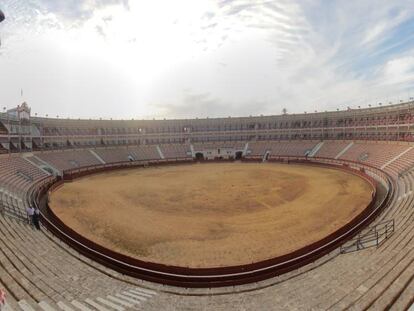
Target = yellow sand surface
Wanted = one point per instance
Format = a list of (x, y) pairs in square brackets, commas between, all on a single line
[(211, 215)]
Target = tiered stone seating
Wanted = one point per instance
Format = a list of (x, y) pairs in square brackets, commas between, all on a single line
[(282, 148), (385, 272), (292, 148), (64, 160), (35, 160), (19, 167), (113, 155), (17, 175), (40, 272), (330, 149), (376, 154), (37, 270), (145, 152), (403, 163), (258, 148), (173, 151)]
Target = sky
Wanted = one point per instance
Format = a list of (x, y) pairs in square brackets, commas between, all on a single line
[(126, 59)]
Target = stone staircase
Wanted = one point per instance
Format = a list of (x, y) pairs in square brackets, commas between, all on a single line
[(344, 150), (38, 271), (161, 154), (315, 149), (130, 299)]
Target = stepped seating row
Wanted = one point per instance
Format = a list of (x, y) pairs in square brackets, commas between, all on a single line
[(375, 154), (113, 155), (374, 269), (137, 153), (386, 271), (330, 149), (17, 166), (64, 160), (257, 148), (282, 148), (393, 158), (38, 270), (35, 161), (370, 153), (172, 151), (54, 131), (17, 175), (145, 152), (403, 163)]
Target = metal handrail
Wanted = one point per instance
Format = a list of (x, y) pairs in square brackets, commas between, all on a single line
[(377, 233)]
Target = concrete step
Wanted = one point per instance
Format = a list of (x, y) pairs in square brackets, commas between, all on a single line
[(64, 306), (96, 305), (7, 307), (120, 301), (127, 298), (25, 306), (134, 296), (80, 306), (110, 304), (45, 306), (141, 293), (344, 150), (145, 290)]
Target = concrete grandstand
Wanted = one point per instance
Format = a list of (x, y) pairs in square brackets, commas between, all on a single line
[(42, 269)]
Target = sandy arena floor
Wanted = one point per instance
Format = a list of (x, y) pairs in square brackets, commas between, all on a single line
[(209, 215)]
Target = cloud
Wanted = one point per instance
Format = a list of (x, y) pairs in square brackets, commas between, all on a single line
[(77, 9), (100, 31), (36, 17), (205, 105), (190, 58)]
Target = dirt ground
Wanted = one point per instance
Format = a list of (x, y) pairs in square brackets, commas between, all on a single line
[(211, 215)]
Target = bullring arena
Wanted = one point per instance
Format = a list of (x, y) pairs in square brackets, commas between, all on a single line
[(306, 211), (211, 215)]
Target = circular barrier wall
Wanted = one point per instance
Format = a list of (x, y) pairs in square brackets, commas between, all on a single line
[(211, 276), (211, 215)]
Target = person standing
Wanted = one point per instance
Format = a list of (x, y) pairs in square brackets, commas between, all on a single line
[(30, 212), (2, 298), (36, 218)]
